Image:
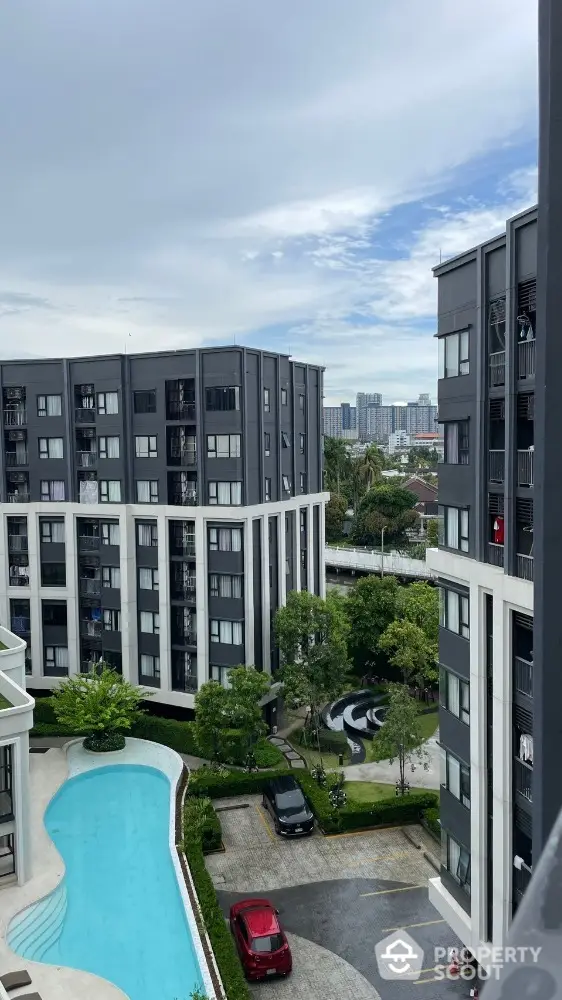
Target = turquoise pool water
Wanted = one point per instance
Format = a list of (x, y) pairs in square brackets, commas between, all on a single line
[(118, 912)]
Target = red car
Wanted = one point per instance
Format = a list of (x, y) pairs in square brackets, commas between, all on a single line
[(263, 948)]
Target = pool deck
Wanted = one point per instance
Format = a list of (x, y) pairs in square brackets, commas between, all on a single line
[(47, 773)]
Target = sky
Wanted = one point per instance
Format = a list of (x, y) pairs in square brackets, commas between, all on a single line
[(178, 174)]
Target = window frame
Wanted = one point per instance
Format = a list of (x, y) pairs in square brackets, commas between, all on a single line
[(46, 397), (216, 633), (462, 614), (302, 482), (107, 534), (101, 402), (102, 449), (49, 483), (215, 546), (154, 581), (267, 489), (266, 400), (302, 442), (284, 396), (153, 491), (214, 489), (285, 440), (104, 485), (47, 448), (286, 483), (226, 390), (48, 523), (463, 776), (463, 694), (267, 443), (233, 451), (155, 620), (137, 393), (151, 449), (458, 341), (215, 586), (113, 615), (456, 442), (153, 534), (462, 528), (108, 578), (155, 675)]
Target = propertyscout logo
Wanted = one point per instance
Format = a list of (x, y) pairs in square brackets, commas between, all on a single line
[(399, 957)]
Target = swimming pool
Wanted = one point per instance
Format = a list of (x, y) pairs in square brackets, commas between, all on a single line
[(118, 912)]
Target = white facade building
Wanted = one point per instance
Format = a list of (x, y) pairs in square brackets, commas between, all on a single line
[(16, 719)]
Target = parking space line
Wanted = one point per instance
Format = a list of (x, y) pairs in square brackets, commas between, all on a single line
[(379, 857), (385, 892), (405, 927), (264, 824)]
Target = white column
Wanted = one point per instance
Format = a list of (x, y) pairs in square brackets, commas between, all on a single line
[(310, 548), (281, 557), (20, 750), (249, 592), (478, 765), (128, 571), (164, 604), (322, 550), (297, 547), (266, 630), (203, 672), (502, 777), (72, 600), (4, 576), (34, 599)]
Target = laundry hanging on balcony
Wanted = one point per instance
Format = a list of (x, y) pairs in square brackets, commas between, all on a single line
[(526, 749), (498, 529)]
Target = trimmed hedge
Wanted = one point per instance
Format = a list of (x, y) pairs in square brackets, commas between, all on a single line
[(198, 813), (353, 816), (221, 939), (268, 755), (430, 819), (331, 741)]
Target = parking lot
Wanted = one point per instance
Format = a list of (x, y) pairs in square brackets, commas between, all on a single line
[(337, 896)]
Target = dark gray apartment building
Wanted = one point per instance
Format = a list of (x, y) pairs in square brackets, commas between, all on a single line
[(156, 509), (487, 322)]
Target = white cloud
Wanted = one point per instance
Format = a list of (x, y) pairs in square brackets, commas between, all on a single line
[(245, 182)]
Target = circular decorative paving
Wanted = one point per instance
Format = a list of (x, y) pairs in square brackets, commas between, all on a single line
[(317, 972)]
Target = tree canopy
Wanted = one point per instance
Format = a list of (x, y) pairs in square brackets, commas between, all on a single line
[(219, 710), (336, 510), (371, 606), (99, 704), (411, 639), (401, 737), (384, 506)]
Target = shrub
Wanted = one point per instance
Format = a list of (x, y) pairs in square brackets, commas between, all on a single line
[(267, 754), (172, 733), (104, 742), (219, 933), (100, 704), (200, 820), (430, 820), (207, 782)]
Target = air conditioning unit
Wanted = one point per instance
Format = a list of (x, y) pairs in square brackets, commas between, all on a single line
[(16, 392)]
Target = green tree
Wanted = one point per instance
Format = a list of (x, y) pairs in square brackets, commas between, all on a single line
[(400, 737), (432, 534), (419, 603), (336, 464), (370, 466), (220, 710), (371, 606), (100, 704), (211, 718), (409, 651), (336, 510), (312, 634), (385, 506)]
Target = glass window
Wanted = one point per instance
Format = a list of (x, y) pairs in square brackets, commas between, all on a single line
[(303, 482), (227, 632), (225, 494), (222, 397), (225, 585), (145, 446), (221, 674), (144, 401), (301, 443), (149, 666), (267, 444), (52, 531), (147, 534), (148, 578), (111, 620), (147, 490), (456, 442), (108, 402), (53, 574), (285, 439), (109, 533), (456, 859), (51, 448), (283, 397), (52, 490), (108, 446), (454, 695), (268, 489), (225, 539), (453, 355), (49, 406), (301, 401), (111, 577), (110, 491), (286, 484), (56, 657), (454, 609), (453, 525), (150, 622), (266, 400), (223, 446)]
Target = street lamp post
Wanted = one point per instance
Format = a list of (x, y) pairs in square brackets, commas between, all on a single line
[(384, 527)]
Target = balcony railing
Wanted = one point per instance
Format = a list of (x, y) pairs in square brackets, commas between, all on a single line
[(90, 587), (184, 637), (85, 415), (20, 625), (17, 543), (15, 417), (92, 629), (524, 567), (183, 591), (88, 542), (495, 554), (182, 456), (184, 498), (496, 465), (178, 547), (523, 778), (526, 359), (180, 411), (19, 497), (17, 579), (182, 681), (523, 676), (525, 468), (497, 369), (14, 458), (86, 459)]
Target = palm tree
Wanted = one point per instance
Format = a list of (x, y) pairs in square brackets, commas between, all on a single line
[(371, 466), (336, 463)]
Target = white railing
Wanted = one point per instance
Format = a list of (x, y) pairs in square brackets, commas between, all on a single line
[(391, 563), (525, 468), (497, 368)]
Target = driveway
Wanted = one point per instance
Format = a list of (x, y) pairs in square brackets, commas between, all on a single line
[(337, 896)]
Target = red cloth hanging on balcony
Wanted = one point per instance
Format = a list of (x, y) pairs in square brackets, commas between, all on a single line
[(498, 529)]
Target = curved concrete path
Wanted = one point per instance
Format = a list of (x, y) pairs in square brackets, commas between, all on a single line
[(383, 771), (318, 973)]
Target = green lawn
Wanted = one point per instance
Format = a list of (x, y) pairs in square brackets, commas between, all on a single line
[(4, 703), (312, 757), (2, 646), (429, 723), (368, 791)]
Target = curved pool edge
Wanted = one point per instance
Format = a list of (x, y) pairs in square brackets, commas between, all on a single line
[(168, 762)]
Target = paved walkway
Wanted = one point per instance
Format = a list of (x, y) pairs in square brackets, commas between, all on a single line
[(383, 771), (293, 758), (317, 972)]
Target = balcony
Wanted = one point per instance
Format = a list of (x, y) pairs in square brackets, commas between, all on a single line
[(89, 587), (17, 543), (15, 458), (91, 629), (521, 879), (19, 576), (182, 547), (523, 676), (18, 497), (523, 774), (20, 625), (495, 554), (86, 459), (525, 468), (85, 415), (182, 456), (497, 369), (180, 411), (15, 416), (524, 567), (496, 461), (526, 359), (182, 590), (184, 498), (86, 543)]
